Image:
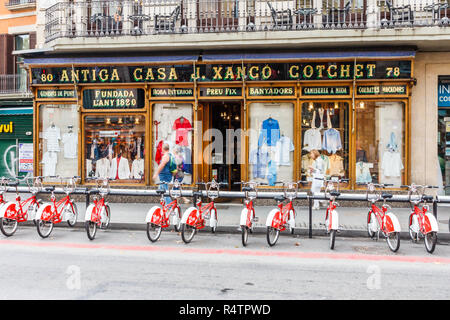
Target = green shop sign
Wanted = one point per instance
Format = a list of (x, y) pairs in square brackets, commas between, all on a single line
[(113, 98), (349, 70), (57, 93), (172, 92), (271, 91), (381, 90), (326, 91), (220, 92)]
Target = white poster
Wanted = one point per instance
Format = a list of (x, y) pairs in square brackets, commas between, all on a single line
[(25, 157)]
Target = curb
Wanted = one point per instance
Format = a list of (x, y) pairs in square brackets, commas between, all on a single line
[(234, 229)]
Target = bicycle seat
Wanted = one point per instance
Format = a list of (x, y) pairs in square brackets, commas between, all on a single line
[(335, 194), (52, 188), (13, 183), (280, 198), (386, 195), (427, 198), (160, 191), (247, 189), (197, 194)]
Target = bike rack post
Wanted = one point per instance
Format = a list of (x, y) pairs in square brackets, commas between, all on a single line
[(310, 202)]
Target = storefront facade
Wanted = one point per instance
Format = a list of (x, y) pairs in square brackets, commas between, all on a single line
[(104, 117), (16, 142)]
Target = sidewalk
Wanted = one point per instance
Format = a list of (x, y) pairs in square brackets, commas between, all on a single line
[(352, 220)]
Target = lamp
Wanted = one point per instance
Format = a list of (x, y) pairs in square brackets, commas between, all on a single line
[(336, 105), (108, 121), (361, 105), (119, 121), (311, 106)]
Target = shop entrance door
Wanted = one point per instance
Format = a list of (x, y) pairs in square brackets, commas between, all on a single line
[(224, 119), (444, 146)]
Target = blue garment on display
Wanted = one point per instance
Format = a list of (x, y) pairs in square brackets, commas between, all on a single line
[(272, 173), (187, 165), (259, 160), (270, 132), (392, 143), (331, 140)]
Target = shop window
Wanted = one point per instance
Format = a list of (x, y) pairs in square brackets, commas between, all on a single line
[(58, 141), (115, 147), (173, 124), (271, 142), (380, 139), (325, 134)]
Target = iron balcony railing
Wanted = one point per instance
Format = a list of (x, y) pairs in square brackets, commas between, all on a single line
[(149, 17), (11, 84), (11, 3)]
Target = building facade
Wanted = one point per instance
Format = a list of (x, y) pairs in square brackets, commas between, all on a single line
[(240, 90), (17, 33)]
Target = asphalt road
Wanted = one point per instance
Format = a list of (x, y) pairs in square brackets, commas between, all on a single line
[(122, 264)]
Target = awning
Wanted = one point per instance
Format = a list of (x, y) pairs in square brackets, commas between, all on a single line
[(309, 55), (111, 60), (15, 111)]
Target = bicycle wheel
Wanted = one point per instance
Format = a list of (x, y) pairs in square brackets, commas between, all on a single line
[(71, 214), (187, 232), (176, 220), (393, 241), (44, 228), (332, 238), (413, 226), (91, 229), (8, 226), (430, 241), (372, 224), (272, 235), (153, 231), (244, 235)]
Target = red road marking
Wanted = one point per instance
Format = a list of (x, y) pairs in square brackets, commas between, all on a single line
[(260, 253)]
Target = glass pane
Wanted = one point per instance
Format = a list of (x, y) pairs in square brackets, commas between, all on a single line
[(115, 147), (271, 143), (325, 139), (172, 125), (380, 133), (58, 141)]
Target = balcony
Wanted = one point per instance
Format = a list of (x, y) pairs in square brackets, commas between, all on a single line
[(14, 86), (138, 18), (13, 5)]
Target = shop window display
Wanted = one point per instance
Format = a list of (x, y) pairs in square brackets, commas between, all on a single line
[(271, 147), (325, 129), (173, 124), (380, 133), (58, 141), (115, 147)]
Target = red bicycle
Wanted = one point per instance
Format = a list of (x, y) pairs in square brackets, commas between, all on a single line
[(380, 219), (194, 218), (3, 187), (13, 212), (158, 216), (421, 222), (283, 217), (52, 213), (98, 214), (248, 216)]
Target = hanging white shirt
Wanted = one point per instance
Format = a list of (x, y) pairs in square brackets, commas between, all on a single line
[(52, 135), (283, 149), (122, 171), (312, 140), (102, 167), (391, 164), (70, 141), (49, 159), (137, 169)]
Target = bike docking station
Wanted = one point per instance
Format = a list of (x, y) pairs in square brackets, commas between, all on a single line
[(87, 192)]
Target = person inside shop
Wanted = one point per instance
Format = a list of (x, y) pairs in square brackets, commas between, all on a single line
[(163, 171), (317, 170)]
